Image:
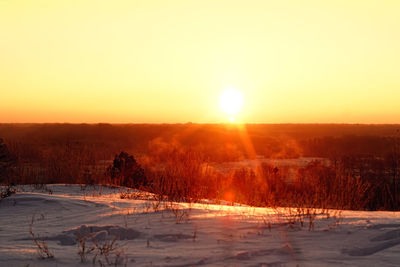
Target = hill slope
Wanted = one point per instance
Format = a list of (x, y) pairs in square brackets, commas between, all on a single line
[(137, 231)]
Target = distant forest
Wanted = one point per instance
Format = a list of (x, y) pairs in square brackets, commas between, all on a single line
[(219, 142), (173, 160)]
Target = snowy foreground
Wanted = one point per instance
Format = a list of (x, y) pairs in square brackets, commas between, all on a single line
[(138, 231)]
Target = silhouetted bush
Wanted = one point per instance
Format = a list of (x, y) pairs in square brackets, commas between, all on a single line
[(180, 174), (7, 160), (126, 171)]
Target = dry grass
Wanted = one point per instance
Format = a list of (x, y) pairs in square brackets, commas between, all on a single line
[(7, 191), (83, 250), (107, 252), (180, 214), (41, 244)]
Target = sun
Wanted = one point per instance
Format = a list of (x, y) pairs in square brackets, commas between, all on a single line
[(231, 102)]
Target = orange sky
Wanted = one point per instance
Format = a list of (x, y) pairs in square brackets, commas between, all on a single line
[(169, 61)]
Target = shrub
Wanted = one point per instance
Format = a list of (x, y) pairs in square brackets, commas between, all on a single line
[(126, 171), (7, 160)]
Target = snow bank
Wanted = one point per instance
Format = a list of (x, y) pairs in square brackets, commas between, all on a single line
[(138, 231)]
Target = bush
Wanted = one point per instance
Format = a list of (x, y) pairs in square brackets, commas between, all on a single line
[(126, 171), (7, 160)]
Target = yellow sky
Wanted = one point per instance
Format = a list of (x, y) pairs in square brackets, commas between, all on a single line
[(168, 61)]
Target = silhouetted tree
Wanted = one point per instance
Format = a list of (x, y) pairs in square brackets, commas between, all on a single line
[(126, 171), (6, 161)]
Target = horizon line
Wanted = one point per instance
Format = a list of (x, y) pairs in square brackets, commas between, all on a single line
[(200, 123)]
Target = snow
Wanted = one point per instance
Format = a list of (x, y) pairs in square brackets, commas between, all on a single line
[(139, 231)]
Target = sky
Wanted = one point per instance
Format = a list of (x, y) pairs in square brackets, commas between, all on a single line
[(157, 61)]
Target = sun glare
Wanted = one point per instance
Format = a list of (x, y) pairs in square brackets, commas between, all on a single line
[(231, 102)]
